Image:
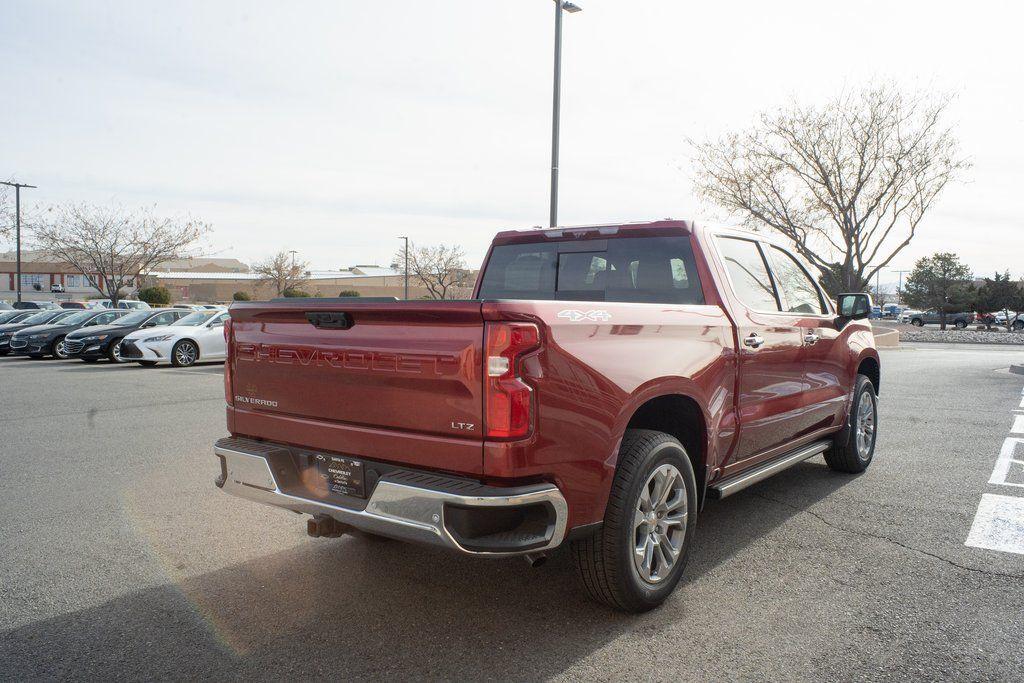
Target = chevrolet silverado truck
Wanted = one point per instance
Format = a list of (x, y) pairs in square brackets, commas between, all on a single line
[(600, 386)]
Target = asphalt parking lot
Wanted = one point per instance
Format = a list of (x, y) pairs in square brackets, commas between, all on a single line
[(121, 560)]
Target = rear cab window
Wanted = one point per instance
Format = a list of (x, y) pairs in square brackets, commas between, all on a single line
[(629, 269)]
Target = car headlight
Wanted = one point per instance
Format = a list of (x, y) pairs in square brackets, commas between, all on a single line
[(38, 337), (95, 338), (162, 337)]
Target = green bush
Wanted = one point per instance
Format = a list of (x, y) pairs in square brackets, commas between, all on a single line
[(241, 296), (293, 292), (348, 292), (155, 295)]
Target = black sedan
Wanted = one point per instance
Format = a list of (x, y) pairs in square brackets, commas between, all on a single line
[(104, 341), (26, 318), (48, 339)]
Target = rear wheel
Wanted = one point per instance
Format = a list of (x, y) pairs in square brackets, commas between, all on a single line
[(184, 354), (1018, 325), (114, 352), (960, 324), (854, 447), (60, 349), (635, 561), (917, 322)]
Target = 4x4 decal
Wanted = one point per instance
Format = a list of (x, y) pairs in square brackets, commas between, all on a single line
[(575, 316)]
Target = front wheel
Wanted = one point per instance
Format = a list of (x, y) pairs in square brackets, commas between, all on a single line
[(960, 324), (184, 354), (635, 561), (1018, 325), (114, 352), (60, 349), (917, 322), (854, 447)]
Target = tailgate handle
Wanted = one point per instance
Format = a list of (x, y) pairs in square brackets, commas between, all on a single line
[(326, 320)]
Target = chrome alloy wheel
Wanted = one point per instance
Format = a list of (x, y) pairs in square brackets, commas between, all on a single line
[(865, 425), (116, 352), (185, 353), (659, 524), (60, 350)]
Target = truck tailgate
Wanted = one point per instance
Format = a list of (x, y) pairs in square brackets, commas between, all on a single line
[(409, 366)]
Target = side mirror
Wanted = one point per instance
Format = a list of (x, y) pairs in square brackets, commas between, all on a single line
[(854, 306)]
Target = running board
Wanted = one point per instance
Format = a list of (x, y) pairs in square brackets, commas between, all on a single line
[(729, 486)]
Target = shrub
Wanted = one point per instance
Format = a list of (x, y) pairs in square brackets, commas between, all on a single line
[(348, 292), (293, 292), (241, 296), (155, 295)]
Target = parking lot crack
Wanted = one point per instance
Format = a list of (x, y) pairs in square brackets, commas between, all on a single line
[(867, 534)]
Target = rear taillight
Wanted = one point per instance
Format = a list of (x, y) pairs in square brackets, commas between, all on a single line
[(508, 400), (227, 362)]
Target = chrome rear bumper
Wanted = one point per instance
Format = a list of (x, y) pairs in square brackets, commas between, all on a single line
[(407, 505)]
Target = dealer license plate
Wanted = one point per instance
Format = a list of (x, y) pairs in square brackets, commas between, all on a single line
[(343, 476)]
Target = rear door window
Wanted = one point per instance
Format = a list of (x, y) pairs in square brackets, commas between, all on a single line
[(748, 273), (632, 269)]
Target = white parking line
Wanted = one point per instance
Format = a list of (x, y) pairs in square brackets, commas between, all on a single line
[(999, 524), (1006, 458), (1018, 425)]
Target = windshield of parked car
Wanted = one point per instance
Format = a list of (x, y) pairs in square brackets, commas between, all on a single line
[(40, 318), (197, 318), (77, 318), (135, 318), (8, 315)]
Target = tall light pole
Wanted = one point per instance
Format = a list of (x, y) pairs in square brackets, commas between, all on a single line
[(899, 288), (405, 252), (17, 223), (556, 104)]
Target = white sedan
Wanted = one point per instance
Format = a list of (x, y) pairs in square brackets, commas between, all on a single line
[(197, 337)]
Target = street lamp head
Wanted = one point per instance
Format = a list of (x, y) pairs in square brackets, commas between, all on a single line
[(571, 8)]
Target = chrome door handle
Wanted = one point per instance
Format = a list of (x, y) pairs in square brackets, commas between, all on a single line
[(810, 339), (754, 340)]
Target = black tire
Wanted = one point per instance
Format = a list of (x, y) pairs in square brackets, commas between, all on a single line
[(605, 560), (111, 355), (845, 455), (917, 322), (1018, 325), (4, 352), (147, 363), (960, 324), (56, 349), (180, 358)]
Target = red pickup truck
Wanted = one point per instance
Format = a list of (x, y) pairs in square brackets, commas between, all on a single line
[(601, 385)]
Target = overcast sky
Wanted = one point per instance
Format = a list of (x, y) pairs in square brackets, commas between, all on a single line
[(331, 128)]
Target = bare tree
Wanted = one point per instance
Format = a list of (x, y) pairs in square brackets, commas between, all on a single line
[(848, 182), (113, 246), (282, 271), (6, 212), (441, 269)]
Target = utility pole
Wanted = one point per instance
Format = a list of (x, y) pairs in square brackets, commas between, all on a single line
[(899, 288), (405, 252), (17, 223), (556, 104)]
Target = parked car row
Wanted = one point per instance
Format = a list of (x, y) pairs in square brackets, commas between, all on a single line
[(178, 336)]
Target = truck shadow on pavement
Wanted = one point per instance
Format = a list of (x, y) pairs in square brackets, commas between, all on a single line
[(364, 607)]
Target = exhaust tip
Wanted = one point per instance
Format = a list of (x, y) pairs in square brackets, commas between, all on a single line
[(536, 559)]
